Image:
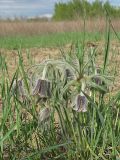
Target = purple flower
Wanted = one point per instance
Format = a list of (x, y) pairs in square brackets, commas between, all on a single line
[(98, 70), (42, 88), (18, 87), (68, 74), (80, 103), (97, 80)]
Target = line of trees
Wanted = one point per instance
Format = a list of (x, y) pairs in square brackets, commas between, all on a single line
[(78, 8)]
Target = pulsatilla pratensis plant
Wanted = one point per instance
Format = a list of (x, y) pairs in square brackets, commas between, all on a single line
[(72, 78)]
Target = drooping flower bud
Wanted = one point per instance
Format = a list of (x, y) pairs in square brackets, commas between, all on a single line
[(98, 70), (18, 87), (44, 115), (68, 74), (21, 88), (97, 80), (42, 88), (80, 103)]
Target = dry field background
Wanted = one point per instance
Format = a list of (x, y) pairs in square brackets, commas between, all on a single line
[(38, 27)]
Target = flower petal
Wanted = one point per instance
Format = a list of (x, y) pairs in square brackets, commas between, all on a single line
[(19, 88), (37, 87), (68, 74), (44, 90)]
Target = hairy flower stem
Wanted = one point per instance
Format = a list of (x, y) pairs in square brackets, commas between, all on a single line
[(82, 88), (93, 59), (44, 72)]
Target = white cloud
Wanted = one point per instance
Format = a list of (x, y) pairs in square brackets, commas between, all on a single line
[(10, 8), (7, 1), (26, 6)]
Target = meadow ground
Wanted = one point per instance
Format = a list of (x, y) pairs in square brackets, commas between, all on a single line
[(22, 137)]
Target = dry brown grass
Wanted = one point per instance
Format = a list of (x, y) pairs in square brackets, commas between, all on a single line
[(32, 28)]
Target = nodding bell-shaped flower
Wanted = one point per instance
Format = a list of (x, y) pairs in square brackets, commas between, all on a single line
[(98, 70), (44, 115), (97, 80), (42, 87), (68, 74), (19, 87), (80, 103)]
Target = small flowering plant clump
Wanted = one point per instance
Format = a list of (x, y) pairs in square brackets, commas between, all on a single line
[(69, 82), (71, 75)]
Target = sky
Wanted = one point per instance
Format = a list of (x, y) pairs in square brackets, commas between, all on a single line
[(32, 8)]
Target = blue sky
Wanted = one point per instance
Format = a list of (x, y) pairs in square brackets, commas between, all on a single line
[(31, 8)]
